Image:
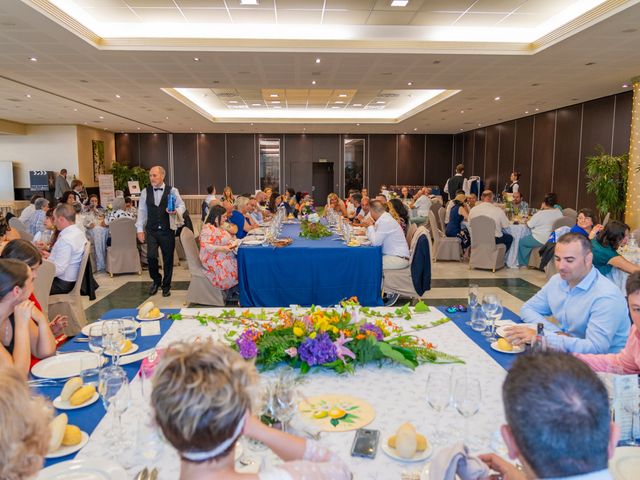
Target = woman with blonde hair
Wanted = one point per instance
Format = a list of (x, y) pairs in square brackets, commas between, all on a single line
[(24, 436), (335, 204), (202, 395), (227, 195)]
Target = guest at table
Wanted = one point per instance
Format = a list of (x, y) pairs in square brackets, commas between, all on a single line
[(589, 310), (399, 213), (230, 227), (459, 213), (25, 422), (364, 192), (388, 233), (67, 251), (211, 194), (239, 215), (364, 217), (512, 186), (35, 223), (29, 210), (290, 199), (422, 204), (43, 239), (356, 201), (627, 362), (78, 191), (605, 249), (268, 191), (381, 198), (119, 211), (68, 197), (129, 208), (486, 208), (558, 421), (62, 185), (227, 195), (405, 196), (519, 206), (472, 200), (334, 204), (541, 225), (255, 212), (585, 224), (450, 205), (202, 399), (97, 231), (217, 251)]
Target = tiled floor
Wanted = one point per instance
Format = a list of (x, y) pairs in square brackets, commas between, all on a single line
[(448, 286)]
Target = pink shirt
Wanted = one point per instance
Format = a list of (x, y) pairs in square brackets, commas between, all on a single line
[(625, 362)]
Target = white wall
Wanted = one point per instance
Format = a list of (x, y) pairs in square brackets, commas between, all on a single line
[(44, 147)]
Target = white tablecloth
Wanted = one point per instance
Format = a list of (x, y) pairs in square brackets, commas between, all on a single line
[(397, 394), (517, 232)]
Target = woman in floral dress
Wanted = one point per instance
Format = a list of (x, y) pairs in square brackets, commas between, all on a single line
[(216, 250)]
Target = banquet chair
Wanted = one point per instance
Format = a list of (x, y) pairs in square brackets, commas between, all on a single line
[(444, 248), (122, 255), (70, 304), (200, 289), (435, 208), (400, 281), (570, 212), (564, 221), (485, 253), (411, 231), (534, 259), (42, 284), (16, 224), (441, 217)]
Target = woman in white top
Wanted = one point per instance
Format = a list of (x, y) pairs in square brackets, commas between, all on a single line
[(541, 225), (202, 395)]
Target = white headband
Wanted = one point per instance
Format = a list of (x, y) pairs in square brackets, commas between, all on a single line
[(202, 456)]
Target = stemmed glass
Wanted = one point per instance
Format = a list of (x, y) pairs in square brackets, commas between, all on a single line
[(284, 402), (631, 406), (490, 304), (472, 299), (438, 398), (116, 397), (495, 315), (114, 338), (467, 397)]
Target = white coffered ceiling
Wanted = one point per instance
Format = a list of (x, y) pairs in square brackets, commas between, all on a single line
[(120, 83)]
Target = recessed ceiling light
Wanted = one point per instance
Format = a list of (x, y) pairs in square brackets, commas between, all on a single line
[(196, 59), (233, 101), (338, 101), (273, 95), (409, 83), (461, 111), (138, 128), (33, 59), (356, 105), (28, 95), (497, 98), (256, 104), (317, 60), (343, 95), (101, 117), (380, 102), (399, 3), (75, 109), (252, 124), (415, 129), (461, 129), (166, 118), (117, 96), (537, 109), (479, 124), (335, 107), (86, 124), (357, 124), (313, 82), (625, 85), (526, 111), (248, 2), (275, 101)]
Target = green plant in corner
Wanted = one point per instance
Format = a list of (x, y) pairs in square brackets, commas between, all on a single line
[(607, 180), (123, 173)]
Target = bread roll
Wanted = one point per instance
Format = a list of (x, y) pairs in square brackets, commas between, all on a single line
[(58, 427), (72, 385), (406, 441), (144, 310)]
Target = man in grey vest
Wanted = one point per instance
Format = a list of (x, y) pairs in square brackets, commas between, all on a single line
[(154, 226)]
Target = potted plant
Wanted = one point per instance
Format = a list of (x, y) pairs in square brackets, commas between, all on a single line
[(607, 180), (123, 173)]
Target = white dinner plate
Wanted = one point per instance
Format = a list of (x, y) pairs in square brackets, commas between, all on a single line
[(134, 348), (144, 319), (65, 405), (64, 365), (418, 457), (625, 463), (501, 330), (87, 328), (84, 469), (256, 241), (64, 451), (516, 350)]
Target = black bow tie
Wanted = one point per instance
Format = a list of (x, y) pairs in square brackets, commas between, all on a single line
[(158, 189)]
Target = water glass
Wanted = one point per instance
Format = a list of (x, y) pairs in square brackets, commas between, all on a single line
[(472, 298), (490, 303), (130, 328), (478, 319), (96, 339), (90, 370), (116, 397), (284, 404), (438, 398), (631, 405), (113, 338), (467, 397), (496, 315)]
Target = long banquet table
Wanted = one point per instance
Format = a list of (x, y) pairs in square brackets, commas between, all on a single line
[(397, 394), (309, 272)]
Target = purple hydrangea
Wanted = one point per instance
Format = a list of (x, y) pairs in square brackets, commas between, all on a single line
[(319, 350), (370, 327), (247, 345)]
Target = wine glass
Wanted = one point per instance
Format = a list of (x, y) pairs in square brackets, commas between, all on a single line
[(438, 398), (466, 398), (284, 404), (490, 304), (472, 299), (114, 339), (116, 397), (631, 406), (495, 315)]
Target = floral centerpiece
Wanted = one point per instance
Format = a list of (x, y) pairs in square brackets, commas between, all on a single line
[(310, 227), (331, 338)]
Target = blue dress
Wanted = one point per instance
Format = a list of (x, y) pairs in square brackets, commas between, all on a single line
[(455, 222), (238, 220)]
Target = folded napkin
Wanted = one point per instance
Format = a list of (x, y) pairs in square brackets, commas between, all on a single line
[(449, 461)]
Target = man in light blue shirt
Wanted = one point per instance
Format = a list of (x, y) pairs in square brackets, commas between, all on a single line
[(590, 311)]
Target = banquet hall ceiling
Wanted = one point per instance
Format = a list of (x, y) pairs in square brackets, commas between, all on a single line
[(53, 70)]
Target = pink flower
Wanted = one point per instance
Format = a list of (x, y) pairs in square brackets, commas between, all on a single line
[(341, 350), (292, 352)]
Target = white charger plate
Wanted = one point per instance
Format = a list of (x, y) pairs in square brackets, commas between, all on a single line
[(418, 457), (134, 348), (625, 463), (64, 451), (257, 241), (516, 349), (64, 365), (84, 469), (87, 328), (65, 405)]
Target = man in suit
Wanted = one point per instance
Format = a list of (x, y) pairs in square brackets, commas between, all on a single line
[(62, 185), (154, 226)]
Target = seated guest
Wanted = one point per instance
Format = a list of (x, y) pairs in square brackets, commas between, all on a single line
[(351, 208), (43, 239), (553, 198), (240, 217), (66, 253), (541, 225), (129, 208), (29, 210), (450, 205), (405, 195), (472, 199), (459, 213), (96, 230), (119, 211), (486, 208), (6, 232), (334, 204), (268, 191), (399, 213), (35, 223), (364, 217), (217, 251), (605, 249), (290, 198), (230, 227), (356, 201), (77, 189), (558, 421), (381, 198), (519, 206), (211, 194), (255, 212), (227, 195), (388, 233), (68, 197), (364, 192), (422, 204), (25, 422), (274, 202), (628, 360), (202, 399), (589, 310)]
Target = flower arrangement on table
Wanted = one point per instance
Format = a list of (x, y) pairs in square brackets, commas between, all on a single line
[(310, 227)]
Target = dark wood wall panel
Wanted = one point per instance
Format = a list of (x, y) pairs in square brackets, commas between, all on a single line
[(185, 162), (411, 159), (468, 150), (505, 157), (241, 161), (542, 156), (458, 147), (622, 123), (298, 162), (567, 155), (491, 158), (154, 150), (597, 125), (439, 156), (480, 139), (211, 161), (128, 148), (523, 145), (382, 162)]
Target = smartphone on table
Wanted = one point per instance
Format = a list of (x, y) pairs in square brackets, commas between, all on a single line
[(365, 443)]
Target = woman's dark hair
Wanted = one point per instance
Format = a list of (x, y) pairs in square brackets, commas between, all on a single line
[(75, 183), (13, 273), (613, 234), (215, 215), (550, 199), (272, 202), (400, 209), (22, 250), (210, 189), (67, 194), (93, 196), (633, 283), (299, 196), (291, 192), (587, 212), (516, 174)]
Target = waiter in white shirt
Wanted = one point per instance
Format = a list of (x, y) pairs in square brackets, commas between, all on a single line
[(68, 250), (388, 233), (154, 226)]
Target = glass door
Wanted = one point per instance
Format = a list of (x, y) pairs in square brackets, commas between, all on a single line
[(353, 164)]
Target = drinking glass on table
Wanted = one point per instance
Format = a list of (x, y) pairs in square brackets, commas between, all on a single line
[(116, 397), (438, 397), (496, 314), (284, 403), (472, 299), (130, 328), (478, 319), (490, 303), (114, 338), (467, 397), (631, 405)]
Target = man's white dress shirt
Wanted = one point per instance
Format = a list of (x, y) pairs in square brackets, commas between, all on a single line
[(67, 252), (388, 233), (423, 205), (27, 212), (157, 196), (486, 209)]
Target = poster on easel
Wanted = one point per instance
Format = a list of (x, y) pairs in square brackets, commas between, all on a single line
[(134, 187), (107, 189)]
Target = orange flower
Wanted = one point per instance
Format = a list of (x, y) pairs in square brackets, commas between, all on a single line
[(360, 336)]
